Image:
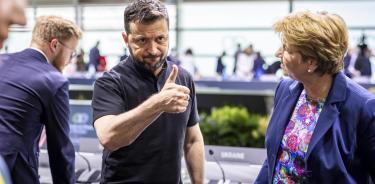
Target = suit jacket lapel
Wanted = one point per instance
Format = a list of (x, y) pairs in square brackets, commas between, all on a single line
[(330, 111), (280, 120), (326, 119)]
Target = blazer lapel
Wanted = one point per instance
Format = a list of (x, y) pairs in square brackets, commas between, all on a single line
[(326, 119), (281, 119), (330, 111)]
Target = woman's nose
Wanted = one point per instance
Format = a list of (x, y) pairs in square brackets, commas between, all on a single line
[(279, 52)]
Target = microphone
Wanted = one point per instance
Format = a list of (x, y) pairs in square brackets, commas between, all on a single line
[(211, 152)]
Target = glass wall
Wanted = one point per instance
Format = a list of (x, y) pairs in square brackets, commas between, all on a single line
[(208, 28), (357, 15)]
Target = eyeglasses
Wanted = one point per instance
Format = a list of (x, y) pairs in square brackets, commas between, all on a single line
[(74, 53)]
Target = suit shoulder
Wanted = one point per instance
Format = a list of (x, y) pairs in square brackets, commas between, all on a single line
[(286, 84), (357, 97), (53, 81), (358, 90)]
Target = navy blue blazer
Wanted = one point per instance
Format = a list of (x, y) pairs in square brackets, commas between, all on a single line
[(342, 147), (34, 94)]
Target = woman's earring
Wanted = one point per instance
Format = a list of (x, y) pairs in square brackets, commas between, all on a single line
[(309, 70)]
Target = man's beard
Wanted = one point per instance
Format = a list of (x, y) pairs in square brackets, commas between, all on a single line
[(151, 67)]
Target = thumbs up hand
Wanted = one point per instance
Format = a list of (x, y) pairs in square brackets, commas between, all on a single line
[(174, 98), (173, 75)]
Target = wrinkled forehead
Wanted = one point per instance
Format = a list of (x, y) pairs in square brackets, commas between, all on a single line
[(152, 28)]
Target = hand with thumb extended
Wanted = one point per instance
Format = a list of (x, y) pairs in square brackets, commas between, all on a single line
[(174, 98), (173, 75)]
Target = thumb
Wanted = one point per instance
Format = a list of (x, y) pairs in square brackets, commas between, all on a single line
[(173, 75)]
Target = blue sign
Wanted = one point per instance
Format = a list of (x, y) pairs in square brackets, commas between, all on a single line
[(81, 125)]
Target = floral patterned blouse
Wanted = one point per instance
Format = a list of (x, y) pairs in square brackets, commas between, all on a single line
[(290, 165)]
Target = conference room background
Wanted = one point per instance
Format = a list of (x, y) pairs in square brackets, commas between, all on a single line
[(207, 27)]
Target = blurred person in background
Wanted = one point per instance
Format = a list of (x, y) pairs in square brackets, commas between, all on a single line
[(187, 62), (357, 62), (220, 66), (102, 64), (322, 128), (236, 54), (363, 63), (245, 64), (349, 63), (81, 64), (94, 57), (34, 94), (274, 67), (258, 68), (145, 108)]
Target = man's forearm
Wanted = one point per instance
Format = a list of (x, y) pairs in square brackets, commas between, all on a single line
[(194, 156), (134, 122), (137, 119)]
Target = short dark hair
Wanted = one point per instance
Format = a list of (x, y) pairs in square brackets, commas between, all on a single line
[(144, 11)]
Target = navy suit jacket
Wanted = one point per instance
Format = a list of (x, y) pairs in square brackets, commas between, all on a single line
[(342, 147), (34, 94)]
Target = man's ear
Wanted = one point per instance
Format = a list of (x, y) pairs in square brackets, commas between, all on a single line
[(53, 45), (125, 37)]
